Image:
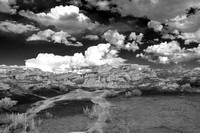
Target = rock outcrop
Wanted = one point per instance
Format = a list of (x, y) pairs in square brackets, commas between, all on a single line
[(20, 82)]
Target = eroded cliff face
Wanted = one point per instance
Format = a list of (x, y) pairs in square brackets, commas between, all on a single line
[(35, 84)]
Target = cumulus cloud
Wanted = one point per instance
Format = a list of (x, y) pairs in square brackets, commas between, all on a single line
[(136, 38), (102, 54), (41, 35), (166, 53), (56, 37), (191, 37), (118, 40), (113, 37), (5, 6), (171, 34), (66, 18), (91, 37), (164, 48), (94, 56), (131, 46), (14, 27), (162, 53), (155, 25)]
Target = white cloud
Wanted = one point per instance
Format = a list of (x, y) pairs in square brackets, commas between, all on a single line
[(131, 46), (66, 18), (132, 36), (95, 55), (166, 53), (171, 35), (136, 38), (191, 37), (164, 48), (5, 6), (102, 54), (14, 27), (56, 37), (65, 38), (162, 53), (155, 25), (41, 35), (113, 37), (118, 40), (91, 37)]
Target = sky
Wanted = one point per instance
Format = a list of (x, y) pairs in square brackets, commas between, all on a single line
[(66, 34)]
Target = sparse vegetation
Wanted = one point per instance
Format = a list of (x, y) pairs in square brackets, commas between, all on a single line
[(128, 94), (49, 115), (11, 121), (7, 103), (93, 112), (19, 122)]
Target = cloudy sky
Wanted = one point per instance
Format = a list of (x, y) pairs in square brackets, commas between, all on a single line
[(60, 34)]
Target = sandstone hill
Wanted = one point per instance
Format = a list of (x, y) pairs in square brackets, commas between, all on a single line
[(34, 84)]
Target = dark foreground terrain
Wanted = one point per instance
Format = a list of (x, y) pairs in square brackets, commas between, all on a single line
[(126, 99)]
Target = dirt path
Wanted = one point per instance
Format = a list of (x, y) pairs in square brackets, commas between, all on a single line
[(96, 97)]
